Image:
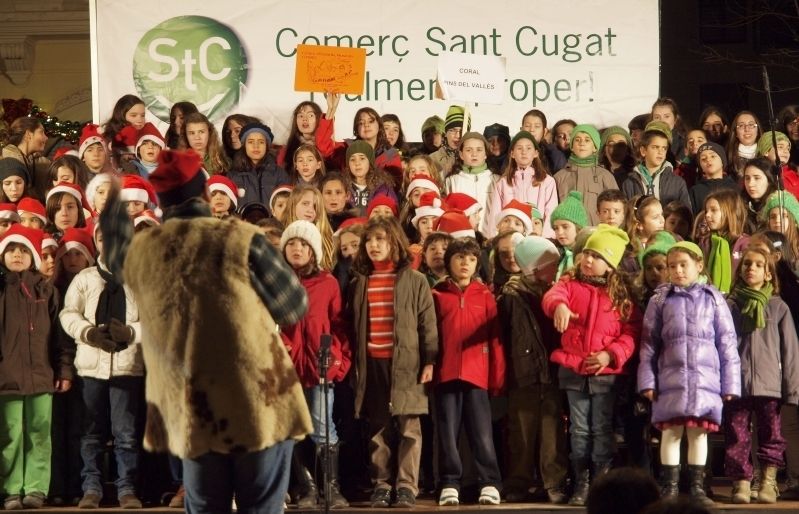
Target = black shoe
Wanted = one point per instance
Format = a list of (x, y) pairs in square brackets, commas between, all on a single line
[(405, 498), (669, 482), (582, 482), (336, 499), (696, 476), (380, 498), (516, 495)]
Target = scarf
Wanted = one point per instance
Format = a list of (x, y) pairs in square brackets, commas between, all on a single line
[(649, 178), (566, 262), (752, 303), (719, 263), (474, 170), (583, 162), (112, 300), (747, 151)]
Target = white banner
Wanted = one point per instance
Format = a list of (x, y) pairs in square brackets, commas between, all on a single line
[(578, 59)]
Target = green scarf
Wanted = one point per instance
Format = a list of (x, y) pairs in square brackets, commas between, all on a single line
[(649, 177), (719, 263), (566, 262), (752, 303), (583, 162), (474, 170)]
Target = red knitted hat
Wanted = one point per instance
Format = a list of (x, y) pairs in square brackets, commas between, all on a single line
[(378, 200), (227, 186), (456, 224), (79, 239), (31, 238), (32, 206), (178, 177), (523, 211), (462, 202)]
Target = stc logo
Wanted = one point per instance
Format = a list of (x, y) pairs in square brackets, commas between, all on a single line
[(190, 58)]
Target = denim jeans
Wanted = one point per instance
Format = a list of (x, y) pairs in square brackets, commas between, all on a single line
[(259, 481), (316, 404), (591, 417), (111, 409)]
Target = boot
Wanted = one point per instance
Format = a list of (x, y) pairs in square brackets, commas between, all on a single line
[(769, 492), (669, 482), (696, 477), (307, 492), (741, 491), (336, 499), (582, 481)]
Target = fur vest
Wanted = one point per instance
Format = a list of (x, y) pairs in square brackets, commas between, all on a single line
[(218, 375)]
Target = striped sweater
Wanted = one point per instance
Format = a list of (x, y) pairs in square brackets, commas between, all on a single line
[(380, 296)]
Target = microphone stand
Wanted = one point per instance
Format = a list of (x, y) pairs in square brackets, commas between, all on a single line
[(777, 168), (324, 365)]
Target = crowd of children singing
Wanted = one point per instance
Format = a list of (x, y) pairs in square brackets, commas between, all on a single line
[(624, 284)]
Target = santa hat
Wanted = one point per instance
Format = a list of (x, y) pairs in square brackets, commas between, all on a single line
[(178, 177), (65, 150), (128, 137), (378, 200), (89, 136), (137, 189), (285, 188), (48, 242), (308, 232), (421, 181), (31, 238), (150, 133), (34, 207), (349, 222), (456, 224), (430, 204), (8, 212), (225, 185), (523, 211), (147, 216), (463, 202), (95, 183), (71, 189), (79, 239)]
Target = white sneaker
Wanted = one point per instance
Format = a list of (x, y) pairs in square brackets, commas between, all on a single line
[(449, 496), (489, 496)]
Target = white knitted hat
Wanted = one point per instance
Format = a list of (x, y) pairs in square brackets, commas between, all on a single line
[(307, 231)]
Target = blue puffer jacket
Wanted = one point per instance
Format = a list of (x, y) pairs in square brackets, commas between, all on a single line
[(689, 353)]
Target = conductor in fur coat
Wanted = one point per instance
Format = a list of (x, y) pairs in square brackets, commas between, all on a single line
[(222, 393)]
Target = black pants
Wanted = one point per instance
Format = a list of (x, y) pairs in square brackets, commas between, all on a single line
[(460, 403)]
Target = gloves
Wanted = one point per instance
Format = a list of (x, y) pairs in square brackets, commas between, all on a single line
[(99, 337), (120, 333)]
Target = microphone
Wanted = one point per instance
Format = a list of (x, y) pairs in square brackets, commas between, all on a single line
[(324, 356)]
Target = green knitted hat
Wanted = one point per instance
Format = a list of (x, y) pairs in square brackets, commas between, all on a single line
[(609, 242), (586, 129), (659, 127), (537, 214), (612, 131), (454, 119), (691, 247), (659, 243), (789, 201), (523, 134), (571, 209), (766, 142), (433, 122), (361, 146)]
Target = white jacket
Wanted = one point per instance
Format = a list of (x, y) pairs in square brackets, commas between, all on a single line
[(77, 317), (478, 186)]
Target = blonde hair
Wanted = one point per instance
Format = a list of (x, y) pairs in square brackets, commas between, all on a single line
[(328, 259), (432, 166)]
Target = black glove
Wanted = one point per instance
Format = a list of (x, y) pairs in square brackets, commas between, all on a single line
[(98, 337), (120, 333)]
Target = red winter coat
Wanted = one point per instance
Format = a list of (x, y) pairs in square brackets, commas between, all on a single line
[(469, 348), (598, 327), (323, 317)]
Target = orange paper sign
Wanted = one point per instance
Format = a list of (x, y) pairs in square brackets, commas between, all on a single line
[(330, 68)]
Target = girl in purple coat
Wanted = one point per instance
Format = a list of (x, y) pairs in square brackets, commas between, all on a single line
[(689, 363)]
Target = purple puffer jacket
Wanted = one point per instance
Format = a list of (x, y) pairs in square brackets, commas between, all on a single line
[(689, 353)]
